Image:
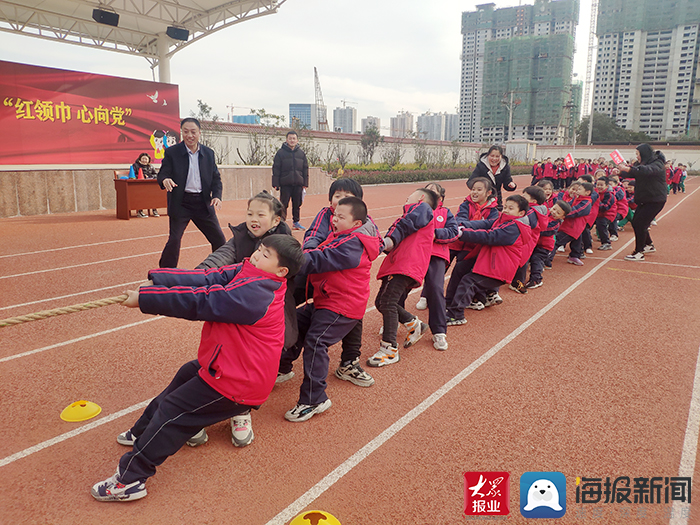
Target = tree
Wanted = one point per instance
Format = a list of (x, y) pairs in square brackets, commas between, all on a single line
[(605, 129), (455, 150), (262, 143), (210, 128), (343, 154), (393, 154), (369, 142), (421, 152)]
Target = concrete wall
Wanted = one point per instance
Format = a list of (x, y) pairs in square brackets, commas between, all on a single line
[(41, 191)]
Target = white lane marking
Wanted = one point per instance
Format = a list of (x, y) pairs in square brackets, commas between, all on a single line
[(70, 295), (78, 339), (101, 243), (63, 437), (95, 262), (681, 511)]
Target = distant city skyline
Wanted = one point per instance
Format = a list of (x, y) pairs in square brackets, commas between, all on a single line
[(262, 64)]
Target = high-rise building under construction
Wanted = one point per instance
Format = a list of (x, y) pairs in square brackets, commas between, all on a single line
[(646, 75), (517, 65)]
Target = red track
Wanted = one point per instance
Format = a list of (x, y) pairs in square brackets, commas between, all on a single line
[(598, 382)]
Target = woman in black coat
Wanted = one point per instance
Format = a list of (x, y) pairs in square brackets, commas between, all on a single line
[(649, 173), (494, 166)]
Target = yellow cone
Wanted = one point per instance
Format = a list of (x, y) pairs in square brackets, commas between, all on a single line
[(80, 411), (315, 517)]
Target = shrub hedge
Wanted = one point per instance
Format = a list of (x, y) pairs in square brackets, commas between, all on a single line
[(419, 175)]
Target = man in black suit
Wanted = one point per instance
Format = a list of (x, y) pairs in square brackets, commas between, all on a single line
[(193, 182)]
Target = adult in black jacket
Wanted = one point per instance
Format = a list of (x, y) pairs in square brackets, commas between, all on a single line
[(290, 175), (494, 166), (194, 191), (649, 194)]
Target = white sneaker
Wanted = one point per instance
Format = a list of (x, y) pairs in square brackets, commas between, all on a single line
[(440, 342), (304, 412), (199, 438), (614, 238), (638, 256), (387, 355), (649, 248), (476, 305), (281, 378), (242, 430), (560, 249), (588, 250), (112, 489), (422, 304), (416, 330), (653, 223)]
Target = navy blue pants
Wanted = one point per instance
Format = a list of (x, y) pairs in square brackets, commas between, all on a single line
[(351, 342), (469, 286), (184, 408), (603, 227), (613, 226), (434, 293), (537, 260), (562, 240), (520, 274), (194, 209), (461, 269), (319, 329), (390, 303), (586, 239)]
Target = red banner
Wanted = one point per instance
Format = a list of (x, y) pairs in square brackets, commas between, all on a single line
[(55, 116)]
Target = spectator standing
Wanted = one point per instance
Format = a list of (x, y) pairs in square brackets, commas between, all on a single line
[(290, 175)]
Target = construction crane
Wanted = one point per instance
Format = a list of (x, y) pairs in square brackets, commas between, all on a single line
[(590, 75), (348, 102), (321, 115)]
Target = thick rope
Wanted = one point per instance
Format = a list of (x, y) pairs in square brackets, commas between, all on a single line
[(60, 311)]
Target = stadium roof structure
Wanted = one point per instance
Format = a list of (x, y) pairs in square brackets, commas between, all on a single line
[(141, 26)]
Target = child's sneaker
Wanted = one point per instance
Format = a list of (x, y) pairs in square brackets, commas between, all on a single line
[(575, 261), (533, 284), (613, 238), (518, 286), (476, 305), (242, 430), (416, 330), (589, 250), (353, 372), (560, 249), (605, 247), (126, 438), (199, 438), (304, 412), (281, 378), (387, 355), (456, 321), (297, 226), (422, 304), (493, 298), (440, 342), (547, 266), (141, 215), (649, 248), (112, 489), (653, 223), (637, 256)]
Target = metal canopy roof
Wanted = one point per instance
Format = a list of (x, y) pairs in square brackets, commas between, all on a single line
[(142, 23)]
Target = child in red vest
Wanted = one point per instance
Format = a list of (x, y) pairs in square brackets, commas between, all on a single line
[(502, 242), (433, 293), (409, 243), (607, 210), (537, 219), (545, 243)]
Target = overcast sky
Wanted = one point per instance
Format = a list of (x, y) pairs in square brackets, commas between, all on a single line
[(383, 55)]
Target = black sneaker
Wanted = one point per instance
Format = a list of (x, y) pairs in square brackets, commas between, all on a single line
[(518, 286), (533, 284)]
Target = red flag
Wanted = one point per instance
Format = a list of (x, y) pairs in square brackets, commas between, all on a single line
[(569, 161)]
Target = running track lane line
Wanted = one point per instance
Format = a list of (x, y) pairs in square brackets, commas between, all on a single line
[(63, 437), (83, 338), (329, 480), (681, 511)]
